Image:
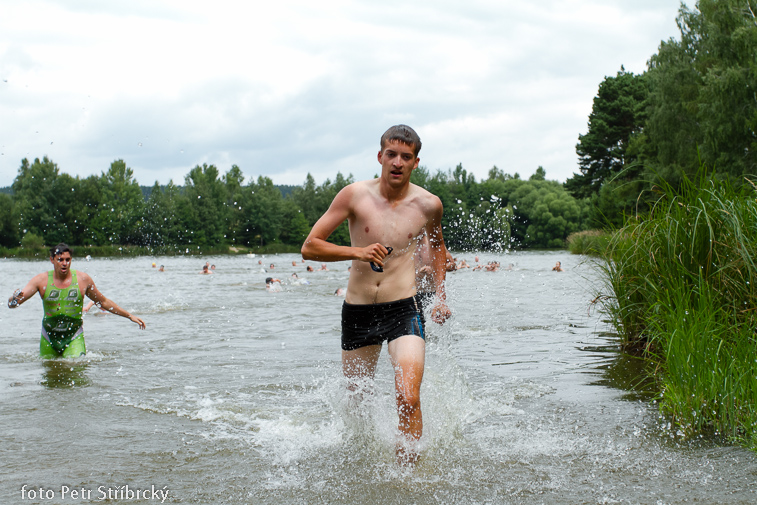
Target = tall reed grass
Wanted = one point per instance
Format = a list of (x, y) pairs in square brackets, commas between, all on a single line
[(681, 289)]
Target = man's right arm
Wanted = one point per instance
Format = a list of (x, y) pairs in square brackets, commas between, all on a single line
[(440, 313), (318, 248), (21, 295)]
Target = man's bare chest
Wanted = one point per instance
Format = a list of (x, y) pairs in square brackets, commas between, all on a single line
[(395, 227)]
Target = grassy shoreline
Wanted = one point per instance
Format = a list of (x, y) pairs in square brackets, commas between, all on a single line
[(681, 289)]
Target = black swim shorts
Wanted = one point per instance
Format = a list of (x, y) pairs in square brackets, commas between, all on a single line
[(372, 324)]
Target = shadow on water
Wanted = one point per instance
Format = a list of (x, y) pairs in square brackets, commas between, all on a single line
[(623, 371), (64, 374)]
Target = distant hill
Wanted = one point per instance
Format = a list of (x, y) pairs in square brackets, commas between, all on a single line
[(286, 189)]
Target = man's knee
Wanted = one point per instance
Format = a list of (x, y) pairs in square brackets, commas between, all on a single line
[(408, 401)]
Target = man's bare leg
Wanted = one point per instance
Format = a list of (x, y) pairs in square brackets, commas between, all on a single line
[(408, 358), (359, 365)]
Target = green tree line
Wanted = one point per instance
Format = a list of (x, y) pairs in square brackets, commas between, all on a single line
[(695, 105), (669, 162), (227, 209)]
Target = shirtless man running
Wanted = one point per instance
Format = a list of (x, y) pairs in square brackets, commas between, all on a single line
[(387, 218), (62, 291)]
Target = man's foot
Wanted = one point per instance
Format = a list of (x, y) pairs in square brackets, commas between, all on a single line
[(407, 453)]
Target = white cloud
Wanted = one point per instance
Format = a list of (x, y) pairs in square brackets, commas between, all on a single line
[(292, 87)]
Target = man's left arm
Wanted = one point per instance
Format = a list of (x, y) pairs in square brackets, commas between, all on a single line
[(440, 313), (105, 303)]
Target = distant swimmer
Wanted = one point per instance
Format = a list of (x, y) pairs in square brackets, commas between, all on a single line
[(381, 303), (212, 268), (62, 292), (310, 269), (295, 279), (557, 267), (272, 284), (340, 292), (271, 266), (153, 264), (91, 304), (161, 269), (206, 270), (463, 264), (324, 267)]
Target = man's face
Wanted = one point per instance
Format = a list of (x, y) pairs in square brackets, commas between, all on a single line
[(61, 263), (398, 161)]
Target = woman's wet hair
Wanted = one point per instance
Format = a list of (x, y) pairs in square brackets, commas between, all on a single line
[(404, 134)]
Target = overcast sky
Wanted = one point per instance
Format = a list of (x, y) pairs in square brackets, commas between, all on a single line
[(289, 87)]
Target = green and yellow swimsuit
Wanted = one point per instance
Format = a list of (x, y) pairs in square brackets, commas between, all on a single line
[(62, 326)]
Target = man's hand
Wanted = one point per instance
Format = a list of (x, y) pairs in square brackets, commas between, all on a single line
[(138, 321), (440, 313), (373, 253), (16, 299)]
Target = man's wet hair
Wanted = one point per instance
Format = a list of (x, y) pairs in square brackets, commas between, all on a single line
[(60, 249), (404, 134)]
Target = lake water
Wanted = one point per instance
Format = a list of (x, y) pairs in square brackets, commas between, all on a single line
[(235, 395)]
